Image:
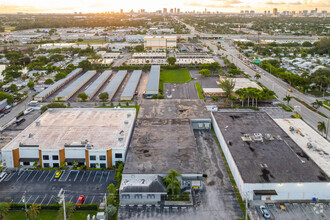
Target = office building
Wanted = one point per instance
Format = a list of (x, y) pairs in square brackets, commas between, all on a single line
[(159, 42), (275, 12)]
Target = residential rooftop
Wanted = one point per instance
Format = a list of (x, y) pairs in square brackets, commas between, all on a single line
[(55, 128), (263, 152)]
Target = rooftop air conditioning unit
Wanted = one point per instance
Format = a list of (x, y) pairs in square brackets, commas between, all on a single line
[(258, 137)]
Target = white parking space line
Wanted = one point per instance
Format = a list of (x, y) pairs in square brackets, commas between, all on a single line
[(107, 177), (28, 175), (101, 176), (27, 201), (62, 176), (76, 176), (95, 175), (71, 198), (42, 173), (20, 176), (82, 176), (92, 199), (50, 200), (43, 199), (35, 200), (48, 172), (66, 176), (89, 176), (9, 177), (35, 174)]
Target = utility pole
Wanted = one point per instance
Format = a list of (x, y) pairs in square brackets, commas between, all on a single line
[(26, 210), (246, 206), (64, 206)]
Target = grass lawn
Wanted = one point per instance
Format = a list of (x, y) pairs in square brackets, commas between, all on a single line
[(173, 76), (9, 28), (48, 215), (92, 42), (199, 90)]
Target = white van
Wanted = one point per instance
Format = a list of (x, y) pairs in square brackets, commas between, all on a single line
[(33, 103), (3, 176)]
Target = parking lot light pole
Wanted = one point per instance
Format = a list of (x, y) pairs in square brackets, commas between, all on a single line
[(64, 206), (26, 210)]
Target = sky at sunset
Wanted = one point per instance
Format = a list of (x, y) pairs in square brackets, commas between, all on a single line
[(63, 6)]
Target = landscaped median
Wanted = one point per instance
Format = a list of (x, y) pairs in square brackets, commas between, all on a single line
[(309, 107), (199, 90)]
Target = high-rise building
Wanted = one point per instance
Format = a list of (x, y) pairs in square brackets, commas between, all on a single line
[(265, 12), (305, 12), (164, 10), (121, 11), (251, 12), (274, 11), (246, 11), (178, 10), (174, 10), (242, 11), (171, 10), (269, 12)]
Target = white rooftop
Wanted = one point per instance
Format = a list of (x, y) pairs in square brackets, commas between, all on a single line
[(102, 127), (310, 141)]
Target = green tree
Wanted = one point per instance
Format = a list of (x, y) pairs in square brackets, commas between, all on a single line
[(85, 65), (173, 185), (111, 210), (49, 81), (257, 76), (35, 164), (287, 98), (69, 209), (34, 211), (75, 164), (60, 75), (139, 48), (30, 84), (321, 127), (12, 87), (52, 105), (307, 44), (4, 208), (228, 86), (83, 96), (104, 96), (4, 95), (13, 71), (317, 103), (171, 60), (204, 72)]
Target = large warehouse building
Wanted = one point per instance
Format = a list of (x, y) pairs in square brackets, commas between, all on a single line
[(153, 81), (152, 153), (159, 42), (96, 138), (270, 160)]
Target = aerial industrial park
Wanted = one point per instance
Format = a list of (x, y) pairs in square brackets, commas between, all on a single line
[(170, 114)]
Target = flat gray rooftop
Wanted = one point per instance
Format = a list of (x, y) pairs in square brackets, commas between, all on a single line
[(132, 84), (153, 81), (173, 108), (96, 84), (275, 160), (160, 145)]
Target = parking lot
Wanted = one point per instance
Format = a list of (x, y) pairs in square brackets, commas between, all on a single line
[(295, 211), (42, 187), (180, 91)]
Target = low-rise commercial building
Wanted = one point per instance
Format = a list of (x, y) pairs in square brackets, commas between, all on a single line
[(159, 42), (269, 160), (96, 138), (153, 81)]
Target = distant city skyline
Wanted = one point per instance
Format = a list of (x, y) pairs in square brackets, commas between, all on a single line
[(61, 6)]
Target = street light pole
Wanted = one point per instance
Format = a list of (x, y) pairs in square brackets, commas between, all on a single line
[(26, 210), (64, 206), (246, 206)]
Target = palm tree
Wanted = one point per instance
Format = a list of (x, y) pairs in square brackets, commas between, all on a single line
[(317, 103), (4, 208), (287, 98), (257, 76), (321, 127), (34, 211), (228, 85), (172, 182)]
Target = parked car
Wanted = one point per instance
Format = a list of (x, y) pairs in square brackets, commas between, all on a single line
[(264, 212), (1, 115), (290, 90), (7, 111), (58, 174), (81, 200)]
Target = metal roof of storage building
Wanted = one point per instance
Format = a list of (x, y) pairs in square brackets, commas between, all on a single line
[(58, 83), (96, 84), (77, 83), (153, 82), (132, 84), (115, 82)]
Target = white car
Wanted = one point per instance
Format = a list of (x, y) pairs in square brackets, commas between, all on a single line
[(264, 212)]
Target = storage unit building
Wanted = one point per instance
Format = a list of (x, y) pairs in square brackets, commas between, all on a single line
[(75, 86), (131, 85), (56, 86), (113, 86), (153, 81), (97, 84)]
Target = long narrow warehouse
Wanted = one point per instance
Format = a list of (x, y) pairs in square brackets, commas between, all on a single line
[(153, 82), (56, 86), (75, 86), (97, 84), (131, 85), (113, 86)]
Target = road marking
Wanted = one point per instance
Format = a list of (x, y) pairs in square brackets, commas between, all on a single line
[(35, 200), (60, 179), (35, 175), (48, 172), (76, 176), (85, 198), (95, 175), (27, 201), (28, 175), (101, 176), (82, 176), (42, 173), (67, 176), (9, 177), (89, 176), (43, 199), (107, 176), (50, 200), (20, 176), (52, 176), (92, 200)]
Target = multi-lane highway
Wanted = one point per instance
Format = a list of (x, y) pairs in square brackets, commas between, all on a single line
[(270, 81)]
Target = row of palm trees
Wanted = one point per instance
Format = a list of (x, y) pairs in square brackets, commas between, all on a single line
[(252, 94)]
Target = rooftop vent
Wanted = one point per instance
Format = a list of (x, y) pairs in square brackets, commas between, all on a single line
[(269, 137), (246, 137), (89, 146), (258, 137), (312, 146), (30, 135), (128, 115), (38, 123), (84, 142), (126, 122)]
